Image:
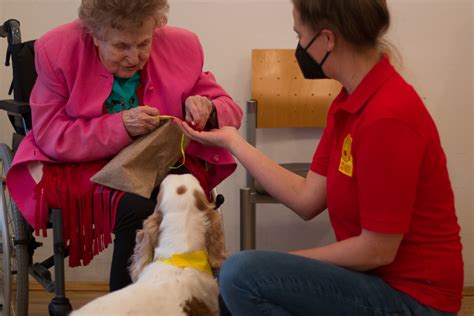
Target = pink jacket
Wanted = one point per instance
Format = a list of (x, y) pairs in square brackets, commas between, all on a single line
[(72, 85)]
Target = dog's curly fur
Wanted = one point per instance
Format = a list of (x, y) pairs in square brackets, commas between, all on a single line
[(183, 222)]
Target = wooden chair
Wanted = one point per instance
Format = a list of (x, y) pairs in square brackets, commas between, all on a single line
[(281, 98)]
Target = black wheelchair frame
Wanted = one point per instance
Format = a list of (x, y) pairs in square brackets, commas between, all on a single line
[(17, 240)]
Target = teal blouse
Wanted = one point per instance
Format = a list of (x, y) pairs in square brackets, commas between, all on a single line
[(124, 94)]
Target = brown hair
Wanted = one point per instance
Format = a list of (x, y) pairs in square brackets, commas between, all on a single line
[(361, 22), (97, 15), (146, 241), (215, 243)]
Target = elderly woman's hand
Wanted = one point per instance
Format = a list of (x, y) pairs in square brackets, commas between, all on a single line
[(141, 120), (197, 110)]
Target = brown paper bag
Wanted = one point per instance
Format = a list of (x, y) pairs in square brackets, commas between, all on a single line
[(141, 166)]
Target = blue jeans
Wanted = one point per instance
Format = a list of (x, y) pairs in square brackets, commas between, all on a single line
[(279, 284)]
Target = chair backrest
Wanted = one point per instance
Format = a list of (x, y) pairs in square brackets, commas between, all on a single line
[(284, 98), (281, 98)]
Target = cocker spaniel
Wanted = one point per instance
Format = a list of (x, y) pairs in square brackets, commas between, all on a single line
[(177, 249)]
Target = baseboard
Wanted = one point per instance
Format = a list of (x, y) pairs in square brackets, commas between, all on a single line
[(76, 286), (469, 291)]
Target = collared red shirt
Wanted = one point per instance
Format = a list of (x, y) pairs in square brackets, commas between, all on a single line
[(386, 172)]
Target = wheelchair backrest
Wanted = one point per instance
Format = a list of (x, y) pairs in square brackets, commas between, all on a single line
[(23, 60), (24, 71), (22, 57)]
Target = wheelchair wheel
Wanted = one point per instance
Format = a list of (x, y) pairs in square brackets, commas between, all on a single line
[(14, 247)]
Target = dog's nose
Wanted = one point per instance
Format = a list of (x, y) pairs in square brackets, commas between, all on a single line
[(219, 201)]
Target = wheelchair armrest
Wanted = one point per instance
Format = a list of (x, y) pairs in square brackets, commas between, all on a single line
[(16, 107)]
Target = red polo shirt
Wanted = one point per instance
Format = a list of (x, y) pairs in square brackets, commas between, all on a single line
[(386, 172)]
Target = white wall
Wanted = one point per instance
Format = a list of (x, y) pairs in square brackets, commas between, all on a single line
[(435, 38), (5, 129)]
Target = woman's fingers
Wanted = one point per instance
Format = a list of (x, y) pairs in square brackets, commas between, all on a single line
[(215, 137), (197, 111), (141, 120), (192, 115), (148, 110), (153, 121), (185, 128)]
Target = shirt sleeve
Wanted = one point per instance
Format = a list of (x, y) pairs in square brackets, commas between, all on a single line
[(61, 136), (320, 163), (387, 161)]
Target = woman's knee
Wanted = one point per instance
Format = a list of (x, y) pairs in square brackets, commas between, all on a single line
[(235, 264), (240, 268)]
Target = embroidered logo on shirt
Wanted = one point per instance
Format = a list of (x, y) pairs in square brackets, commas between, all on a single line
[(346, 166)]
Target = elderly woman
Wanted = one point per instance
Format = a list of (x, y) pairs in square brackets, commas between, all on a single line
[(103, 80)]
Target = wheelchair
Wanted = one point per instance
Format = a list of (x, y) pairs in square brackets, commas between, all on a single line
[(17, 241)]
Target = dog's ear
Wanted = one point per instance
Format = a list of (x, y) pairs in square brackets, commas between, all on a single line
[(215, 242), (146, 242)]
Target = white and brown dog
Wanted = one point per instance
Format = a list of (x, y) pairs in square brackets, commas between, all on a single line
[(175, 251)]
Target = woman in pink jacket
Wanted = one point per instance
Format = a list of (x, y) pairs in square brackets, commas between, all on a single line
[(103, 80)]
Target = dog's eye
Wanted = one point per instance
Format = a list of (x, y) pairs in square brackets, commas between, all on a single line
[(181, 190)]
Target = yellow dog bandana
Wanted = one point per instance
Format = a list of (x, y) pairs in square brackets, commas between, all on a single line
[(197, 260)]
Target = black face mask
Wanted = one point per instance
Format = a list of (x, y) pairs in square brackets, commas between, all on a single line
[(310, 68)]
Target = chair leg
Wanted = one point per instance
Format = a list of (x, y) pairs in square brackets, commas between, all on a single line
[(247, 220), (59, 305)]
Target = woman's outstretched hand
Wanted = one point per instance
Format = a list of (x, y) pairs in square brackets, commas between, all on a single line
[(222, 137)]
